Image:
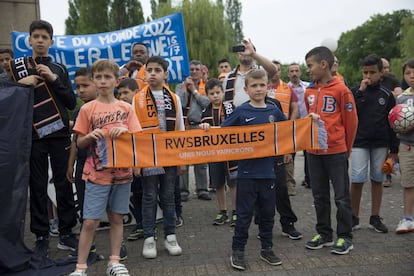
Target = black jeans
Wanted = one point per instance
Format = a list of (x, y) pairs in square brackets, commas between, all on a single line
[(136, 200), (283, 206), (324, 169), (58, 150)]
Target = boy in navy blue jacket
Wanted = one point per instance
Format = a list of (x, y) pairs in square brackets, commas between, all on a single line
[(253, 184)]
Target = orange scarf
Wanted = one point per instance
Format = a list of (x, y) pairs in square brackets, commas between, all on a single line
[(197, 146)]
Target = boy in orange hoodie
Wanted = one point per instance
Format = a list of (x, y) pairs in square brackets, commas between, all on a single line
[(329, 100)]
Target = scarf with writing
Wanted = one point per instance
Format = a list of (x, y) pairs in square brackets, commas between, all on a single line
[(46, 116), (146, 110)]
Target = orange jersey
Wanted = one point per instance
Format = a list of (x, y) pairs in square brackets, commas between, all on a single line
[(283, 93), (335, 105), (138, 76)]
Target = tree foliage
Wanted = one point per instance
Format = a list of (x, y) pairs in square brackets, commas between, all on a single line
[(381, 35), (98, 16), (125, 13), (233, 12), (209, 34)]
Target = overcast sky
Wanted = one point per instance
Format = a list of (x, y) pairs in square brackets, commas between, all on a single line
[(280, 29)]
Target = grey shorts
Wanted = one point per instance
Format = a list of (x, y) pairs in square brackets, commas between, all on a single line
[(407, 165), (100, 198)]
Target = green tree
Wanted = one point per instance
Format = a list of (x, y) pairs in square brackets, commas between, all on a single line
[(88, 17), (233, 12), (208, 32), (71, 22), (381, 34), (94, 17), (125, 13), (406, 46)]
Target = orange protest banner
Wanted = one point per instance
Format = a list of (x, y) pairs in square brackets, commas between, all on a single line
[(176, 148)]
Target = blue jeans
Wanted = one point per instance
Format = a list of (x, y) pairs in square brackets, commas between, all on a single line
[(324, 169), (161, 186), (251, 192)]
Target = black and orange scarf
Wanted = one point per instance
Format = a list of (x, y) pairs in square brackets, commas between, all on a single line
[(46, 116)]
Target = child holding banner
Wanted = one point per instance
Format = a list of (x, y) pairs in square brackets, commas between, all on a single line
[(253, 185), (330, 100), (106, 189), (215, 113), (158, 109)]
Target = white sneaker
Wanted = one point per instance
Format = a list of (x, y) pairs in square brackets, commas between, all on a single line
[(149, 250), (172, 246), (405, 226)]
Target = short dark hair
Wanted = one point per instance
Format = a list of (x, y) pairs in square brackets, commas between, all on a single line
[(255, 74), (409, 63), (223, 60), (83, 72), (159, 60), (7, 51), (211, 83), (373, 59), (129, 83), (41, 25), (321, 53)]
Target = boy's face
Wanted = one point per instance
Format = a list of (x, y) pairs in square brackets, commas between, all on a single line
[(155, 75), (105, 82), (85, 88), (316, 70), (41, 42), (371, 73), (4, 61), (215, 95), (409, 76), (125, 94), (256, 89), (224, 67)]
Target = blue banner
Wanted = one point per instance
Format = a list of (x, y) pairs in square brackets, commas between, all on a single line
[(164, 37)]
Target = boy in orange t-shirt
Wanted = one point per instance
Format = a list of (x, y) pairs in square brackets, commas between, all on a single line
[(105, 189)]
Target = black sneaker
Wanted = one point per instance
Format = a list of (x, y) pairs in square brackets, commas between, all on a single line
[(68, 242), (42, 246), (237, 260), (342, 246), (318, 242), (291, 232), (269, 257), (136, 234), (123, 254), (204, 196), (233, 219), (376, 224), (355, 223), (221, 218)]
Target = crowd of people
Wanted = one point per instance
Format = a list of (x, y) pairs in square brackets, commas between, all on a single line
[(250, 93)]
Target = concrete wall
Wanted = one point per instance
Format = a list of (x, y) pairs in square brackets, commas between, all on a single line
[(16, 15)]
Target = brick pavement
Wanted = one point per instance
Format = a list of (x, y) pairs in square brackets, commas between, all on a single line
[(206, 248)]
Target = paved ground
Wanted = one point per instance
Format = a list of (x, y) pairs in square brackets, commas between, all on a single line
[(206, 248)]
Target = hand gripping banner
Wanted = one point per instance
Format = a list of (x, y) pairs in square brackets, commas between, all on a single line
[(176, 148)]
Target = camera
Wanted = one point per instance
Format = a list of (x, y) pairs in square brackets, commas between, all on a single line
[(238, 48)]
